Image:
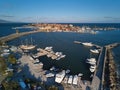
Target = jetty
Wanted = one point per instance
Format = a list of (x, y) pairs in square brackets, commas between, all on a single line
[(110, 46), (16, 35), (44, 52), (78, 42)]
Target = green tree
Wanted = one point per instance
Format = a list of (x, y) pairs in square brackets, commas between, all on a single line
[(53, 88), (12, 59), (3, 65)]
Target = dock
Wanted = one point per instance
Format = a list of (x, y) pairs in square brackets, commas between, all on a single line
[(44, 52), (78, 42)]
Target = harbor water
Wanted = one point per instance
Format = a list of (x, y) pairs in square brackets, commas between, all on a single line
[(76, 54)]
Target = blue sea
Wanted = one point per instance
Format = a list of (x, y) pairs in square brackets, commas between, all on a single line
[(76, 54)]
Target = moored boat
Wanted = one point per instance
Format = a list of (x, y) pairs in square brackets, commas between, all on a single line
[(75, 80), (88, 44), (70, 79), (94, 51), (59, 76)]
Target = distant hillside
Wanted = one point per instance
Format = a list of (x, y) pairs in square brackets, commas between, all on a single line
[(4, 21)]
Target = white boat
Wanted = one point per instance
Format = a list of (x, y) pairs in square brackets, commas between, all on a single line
[(6, 50), (49, 48), (70, 79), (91, 63), (50, 75), (94, 51), (5, 54), (58, 54), (37, 60), (91, 60), (52, 68), (59, 76), (41, 64), (63, 56), (80, 74), (13, 48), (75, 80), (88, 44), (67, 71), (92, 68), (38, 49)]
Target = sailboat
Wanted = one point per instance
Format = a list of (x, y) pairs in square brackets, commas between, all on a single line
[(27, 46)]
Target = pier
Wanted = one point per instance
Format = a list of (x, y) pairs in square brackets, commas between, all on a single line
[(78, 42), (45, 52), (16, 35)]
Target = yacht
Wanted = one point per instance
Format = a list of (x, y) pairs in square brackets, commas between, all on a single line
[(94, 51), (49, 48), (88, 44), (92, 68), (59, 76), (91, 60), (70, 79), (75, 80)]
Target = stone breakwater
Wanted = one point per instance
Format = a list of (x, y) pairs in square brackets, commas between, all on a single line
[(110, 76)]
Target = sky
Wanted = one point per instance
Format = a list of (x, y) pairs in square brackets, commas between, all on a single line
[(61, 11)]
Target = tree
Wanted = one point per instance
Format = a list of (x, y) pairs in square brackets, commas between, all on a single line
[(3, 65), (12, 59), (53, 88)]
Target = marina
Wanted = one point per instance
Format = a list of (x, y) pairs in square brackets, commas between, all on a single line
[(35, 63)]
